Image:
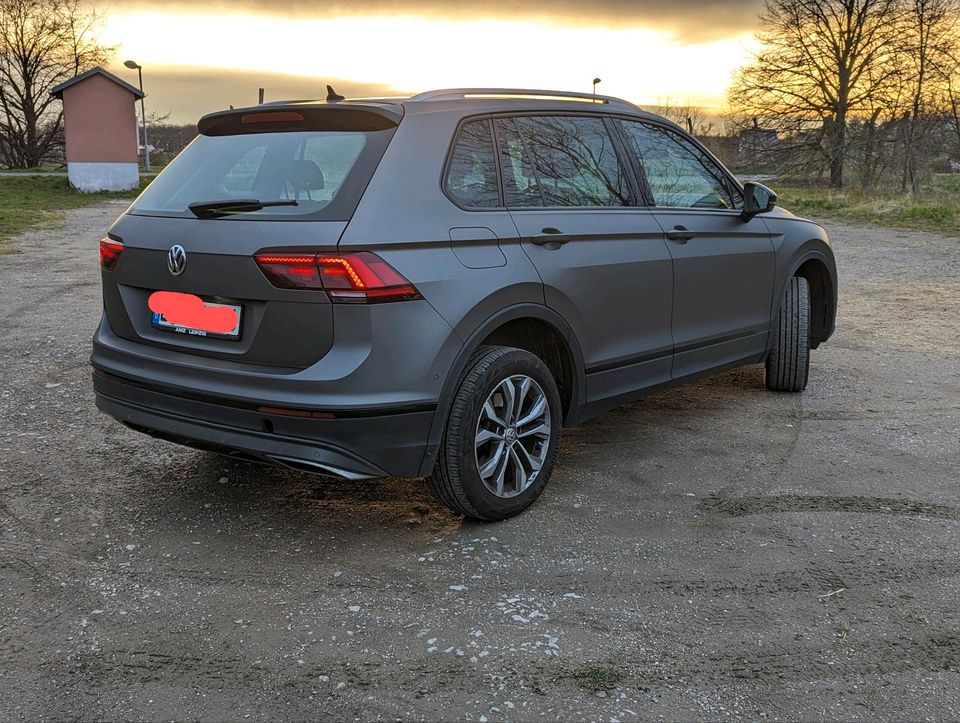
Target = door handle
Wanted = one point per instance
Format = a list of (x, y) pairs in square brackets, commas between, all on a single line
[(680, 234), (550, 237)]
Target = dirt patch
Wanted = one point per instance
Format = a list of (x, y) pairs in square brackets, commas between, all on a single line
[(715, 550)]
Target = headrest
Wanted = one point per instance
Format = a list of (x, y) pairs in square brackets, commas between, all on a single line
[(304, 175)]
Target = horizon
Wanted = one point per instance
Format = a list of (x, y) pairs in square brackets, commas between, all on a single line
[(292, 49)]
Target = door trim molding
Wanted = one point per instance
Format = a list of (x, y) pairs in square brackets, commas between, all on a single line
[(660, 353)]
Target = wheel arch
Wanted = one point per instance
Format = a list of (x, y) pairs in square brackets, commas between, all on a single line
[(525, 326), (819, 269)]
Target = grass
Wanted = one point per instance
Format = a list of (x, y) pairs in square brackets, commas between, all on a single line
[(37, 169), (157, 163), (935, 208), (598, 677), (37, 201)]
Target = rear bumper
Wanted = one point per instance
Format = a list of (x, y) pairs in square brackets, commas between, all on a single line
[(355, 445)]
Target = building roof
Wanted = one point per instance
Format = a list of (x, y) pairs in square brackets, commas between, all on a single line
[(58, 91)]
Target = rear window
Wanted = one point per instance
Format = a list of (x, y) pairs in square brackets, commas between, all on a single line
[(324, 171)]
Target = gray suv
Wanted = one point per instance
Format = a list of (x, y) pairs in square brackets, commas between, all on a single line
[(435, 286)]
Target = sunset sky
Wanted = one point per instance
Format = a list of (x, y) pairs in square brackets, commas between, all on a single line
[(201, 57)]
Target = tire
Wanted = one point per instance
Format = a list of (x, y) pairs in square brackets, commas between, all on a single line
[(788, 362), (458, 479)]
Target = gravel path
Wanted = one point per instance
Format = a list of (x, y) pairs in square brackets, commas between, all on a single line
[(715, 550)]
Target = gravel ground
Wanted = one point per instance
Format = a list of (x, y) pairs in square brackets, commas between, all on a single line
[(713, 551)]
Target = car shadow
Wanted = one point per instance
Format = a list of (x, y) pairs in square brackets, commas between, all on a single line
[(258, 501), (650, 417), (389, 502)]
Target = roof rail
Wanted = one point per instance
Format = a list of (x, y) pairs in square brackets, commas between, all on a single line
[(520, 93)]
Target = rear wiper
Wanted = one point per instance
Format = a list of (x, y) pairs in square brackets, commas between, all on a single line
[(215, 209)]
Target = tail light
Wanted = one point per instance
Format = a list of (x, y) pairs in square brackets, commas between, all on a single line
[(360, 278), (110, 250), (290, 271)]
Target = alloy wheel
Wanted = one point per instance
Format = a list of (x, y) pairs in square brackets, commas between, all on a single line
[(513, 436)]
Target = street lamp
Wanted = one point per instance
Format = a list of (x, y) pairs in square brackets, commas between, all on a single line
[(595, 81), (133, 65)]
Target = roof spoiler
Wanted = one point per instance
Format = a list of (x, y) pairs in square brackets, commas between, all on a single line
[(293, 117)]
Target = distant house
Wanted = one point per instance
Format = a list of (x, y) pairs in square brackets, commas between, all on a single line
[(723, 147), (100, 129), (756, 140)]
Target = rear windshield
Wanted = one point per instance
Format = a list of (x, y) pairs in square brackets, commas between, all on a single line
[(324, 171)]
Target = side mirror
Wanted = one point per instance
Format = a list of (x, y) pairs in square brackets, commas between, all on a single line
[(757, 198)]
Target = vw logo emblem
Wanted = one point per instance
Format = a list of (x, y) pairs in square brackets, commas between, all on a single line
[(176, 259)]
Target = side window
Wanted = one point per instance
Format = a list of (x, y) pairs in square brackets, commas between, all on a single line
[(472, 173), (575, 161), (519, 180), (679, 173)]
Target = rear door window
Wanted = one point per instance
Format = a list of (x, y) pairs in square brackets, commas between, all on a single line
[(679, 174), (471, 179), (574, 161), (325, 172), (520, 184)]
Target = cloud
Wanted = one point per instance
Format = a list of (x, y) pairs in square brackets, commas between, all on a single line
[(690, 21), (188, 94)]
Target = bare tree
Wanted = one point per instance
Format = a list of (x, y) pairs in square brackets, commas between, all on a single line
[(927, 40), (873, 143), (42, 43), (875, 133), (687, 115), (822, 63), (950, 88)]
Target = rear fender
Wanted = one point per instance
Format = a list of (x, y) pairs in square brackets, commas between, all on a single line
[(511, 313)]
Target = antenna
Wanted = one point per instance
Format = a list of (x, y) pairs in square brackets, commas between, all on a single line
[(332, 95), (595, 82)]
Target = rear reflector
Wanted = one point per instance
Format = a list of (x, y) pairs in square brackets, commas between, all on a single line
[(303, 413), (360, 278), (110, 251)]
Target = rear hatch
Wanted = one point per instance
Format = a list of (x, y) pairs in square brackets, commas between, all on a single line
[(313, 161)]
